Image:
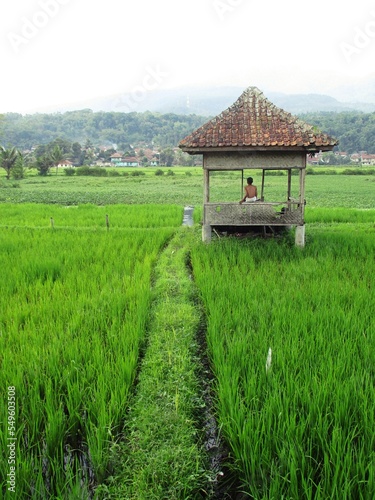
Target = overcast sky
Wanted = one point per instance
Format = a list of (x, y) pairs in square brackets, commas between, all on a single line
[(64, 51)]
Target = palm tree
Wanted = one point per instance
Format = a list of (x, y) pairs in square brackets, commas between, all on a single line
[(8, 158), (43, 164), (57, 156)]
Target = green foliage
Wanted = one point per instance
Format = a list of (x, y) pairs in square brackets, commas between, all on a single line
[(359, 171), (161, 457), (58, 149), (19, 169), (57, 155), (320, 171), (275, 173), (113, 173), (74, 304), (99, 171), (84, 170), (44, 164), (91, 171), (297, 426), (69, 171), (89, 216), (8, 159), (166, 157), (301, 430), (101, 127), (159, 172), (337, 190), (354, 129)]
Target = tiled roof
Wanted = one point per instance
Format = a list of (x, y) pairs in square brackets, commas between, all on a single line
[(254, 122)]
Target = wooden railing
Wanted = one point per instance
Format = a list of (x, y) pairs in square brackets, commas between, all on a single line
[(258, 213)]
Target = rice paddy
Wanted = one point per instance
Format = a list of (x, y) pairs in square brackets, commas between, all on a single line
[(289, 332), (74, 305), (291, 340)]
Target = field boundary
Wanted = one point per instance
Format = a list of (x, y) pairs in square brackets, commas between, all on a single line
[(163, 453)]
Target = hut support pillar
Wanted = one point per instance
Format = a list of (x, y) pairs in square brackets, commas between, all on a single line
[(206, 228), (300, 236), (206, 233)]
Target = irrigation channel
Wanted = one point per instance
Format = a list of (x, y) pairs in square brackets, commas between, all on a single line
[(171, 414)]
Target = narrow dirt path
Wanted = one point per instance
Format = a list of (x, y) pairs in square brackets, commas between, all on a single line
[(164, 454)]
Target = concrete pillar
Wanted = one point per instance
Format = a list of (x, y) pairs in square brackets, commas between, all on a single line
[(300, 236), (206, 233)]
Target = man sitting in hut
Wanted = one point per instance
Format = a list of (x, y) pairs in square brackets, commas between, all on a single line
[(251, 191)]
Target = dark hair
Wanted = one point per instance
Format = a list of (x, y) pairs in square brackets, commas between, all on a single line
[(249, 180)]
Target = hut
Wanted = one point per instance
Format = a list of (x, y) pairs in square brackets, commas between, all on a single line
[(253, 133)]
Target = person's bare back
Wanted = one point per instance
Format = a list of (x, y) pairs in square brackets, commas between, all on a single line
[(251, 191)]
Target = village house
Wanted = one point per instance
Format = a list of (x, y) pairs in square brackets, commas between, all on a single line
[(130, 161), (65, 164), (151, 155), (363, 158), (341, 154), (116, 159), (367, 159), (314, 159), (119, 160)]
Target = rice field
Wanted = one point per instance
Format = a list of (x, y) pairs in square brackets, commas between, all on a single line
[(74, 300), (185, 187), (89, 216), (291, 338)]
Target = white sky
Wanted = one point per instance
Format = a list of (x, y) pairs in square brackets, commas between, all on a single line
[(63, 51)]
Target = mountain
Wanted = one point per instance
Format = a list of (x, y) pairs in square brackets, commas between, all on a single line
[(361, 90), (211, 101), (308, 103)]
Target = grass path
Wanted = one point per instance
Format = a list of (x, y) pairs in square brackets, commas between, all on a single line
[(163, 455)]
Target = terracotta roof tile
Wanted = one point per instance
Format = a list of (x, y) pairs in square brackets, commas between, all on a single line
[(253, 121)]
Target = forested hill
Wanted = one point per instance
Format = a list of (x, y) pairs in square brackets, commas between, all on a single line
[(355, 130), (101, 128)]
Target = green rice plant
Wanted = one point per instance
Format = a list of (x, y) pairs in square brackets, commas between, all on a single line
[(74, 304), (349, 191), (90, 216), (162, 455), (334, 215), (302, 427)]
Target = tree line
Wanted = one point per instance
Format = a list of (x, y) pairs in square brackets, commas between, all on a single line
[(75, 135), (122, 130), (46, 156), (355, 130)]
